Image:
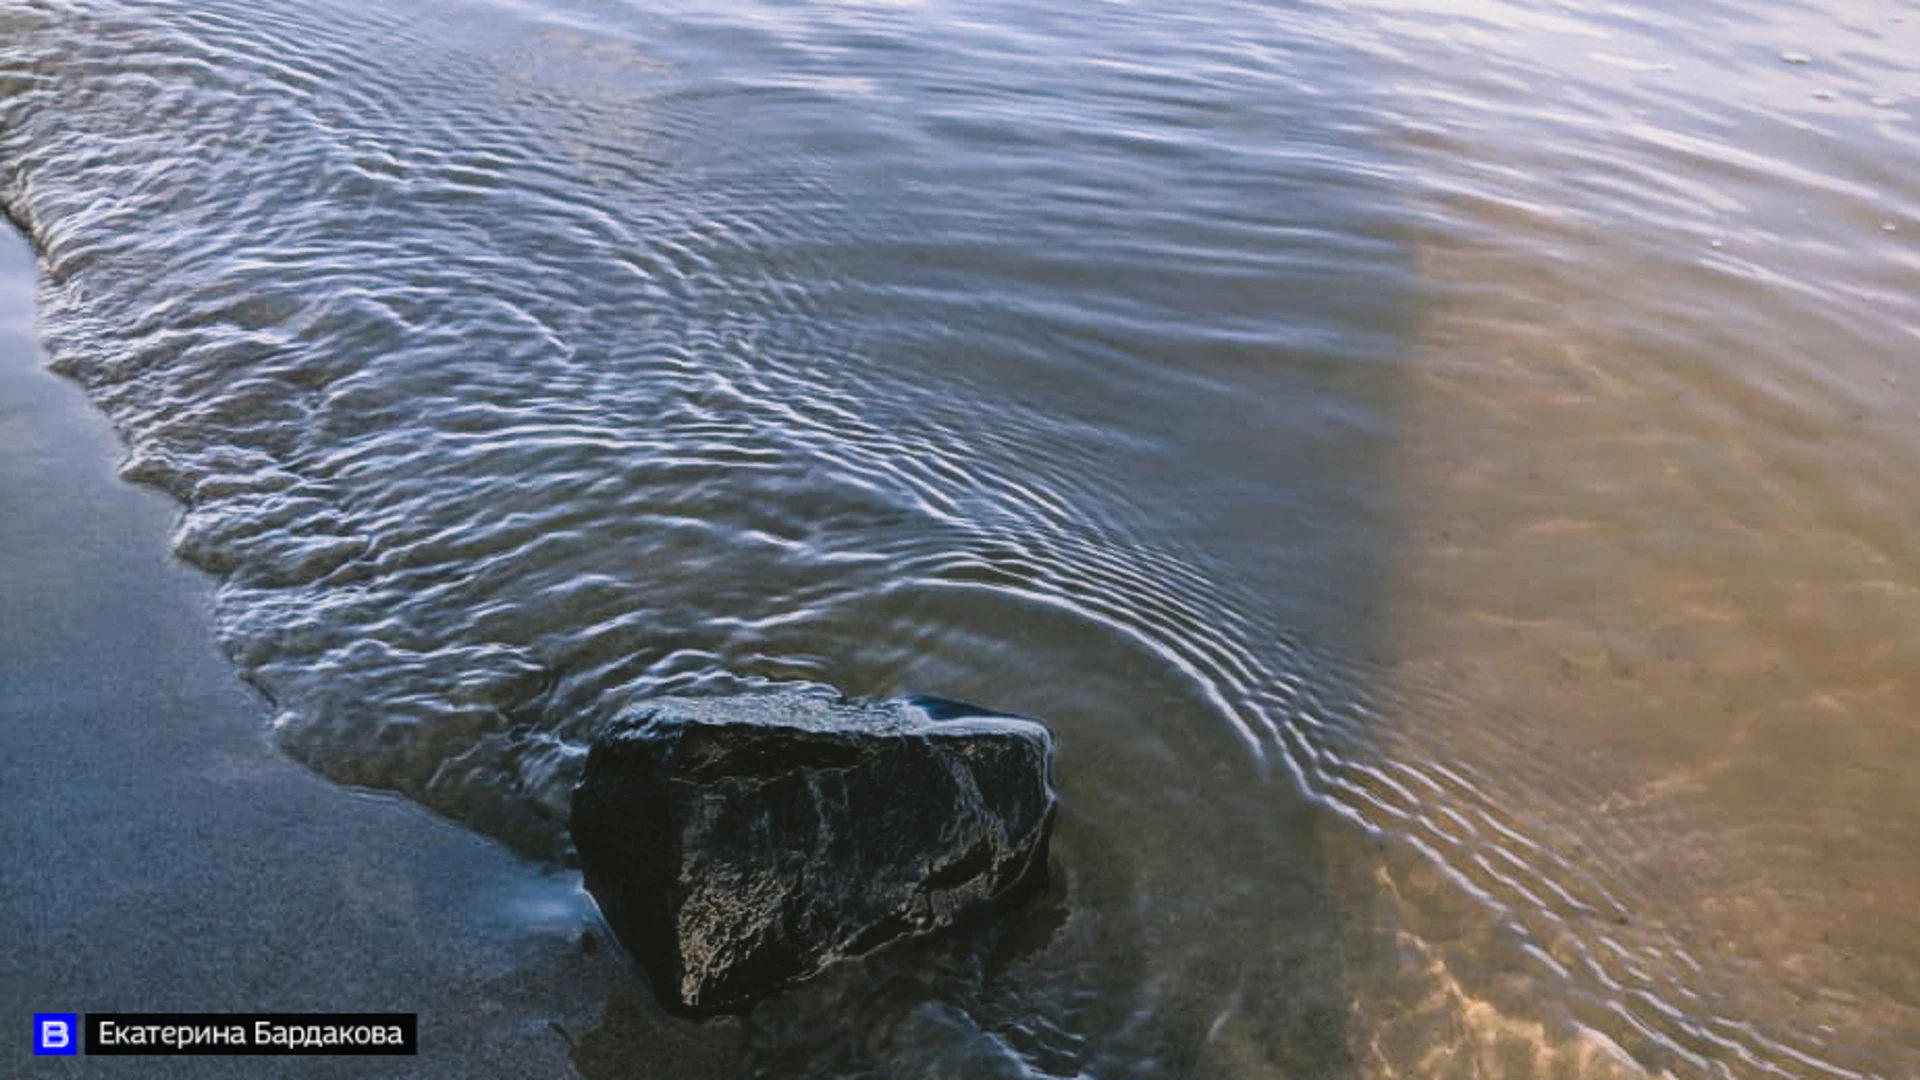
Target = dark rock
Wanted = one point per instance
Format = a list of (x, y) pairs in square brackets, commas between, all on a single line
[(739, 844)]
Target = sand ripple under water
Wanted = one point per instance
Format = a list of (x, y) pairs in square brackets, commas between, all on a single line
[(1440, 471)]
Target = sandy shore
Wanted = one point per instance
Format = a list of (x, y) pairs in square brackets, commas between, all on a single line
[(160, 856)]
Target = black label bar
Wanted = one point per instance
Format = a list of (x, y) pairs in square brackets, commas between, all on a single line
[(174, 1034)]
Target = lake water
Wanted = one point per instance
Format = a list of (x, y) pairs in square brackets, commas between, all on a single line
[(1445, 471)]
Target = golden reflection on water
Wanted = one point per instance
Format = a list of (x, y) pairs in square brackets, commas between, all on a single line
[(1657, 456)]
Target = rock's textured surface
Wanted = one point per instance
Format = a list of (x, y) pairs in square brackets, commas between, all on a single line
[(738, 844)]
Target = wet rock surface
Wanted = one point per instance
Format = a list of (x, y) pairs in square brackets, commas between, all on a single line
[(737, 845)]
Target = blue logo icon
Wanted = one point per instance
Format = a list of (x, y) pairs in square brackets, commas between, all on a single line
[(56, 1033)]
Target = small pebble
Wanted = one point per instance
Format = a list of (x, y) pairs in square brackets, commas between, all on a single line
[(1823, 95), (1796, 57), (1888, 226)]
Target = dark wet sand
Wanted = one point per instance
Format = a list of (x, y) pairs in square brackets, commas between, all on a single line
[(160, 856)]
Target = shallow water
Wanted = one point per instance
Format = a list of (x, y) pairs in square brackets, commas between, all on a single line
[(1438, 467), (160, 856)]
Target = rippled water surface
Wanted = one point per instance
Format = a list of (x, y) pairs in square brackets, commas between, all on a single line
[(1444, 469)]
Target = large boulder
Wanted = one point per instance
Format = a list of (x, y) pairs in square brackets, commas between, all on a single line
[(739, 844)]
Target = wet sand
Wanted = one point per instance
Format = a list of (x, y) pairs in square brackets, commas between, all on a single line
[(161, 857)]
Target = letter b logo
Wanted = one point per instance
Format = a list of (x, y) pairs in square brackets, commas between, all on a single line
[(56, 1033)]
